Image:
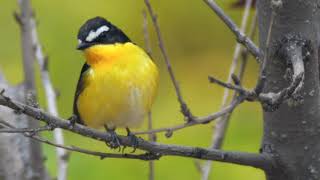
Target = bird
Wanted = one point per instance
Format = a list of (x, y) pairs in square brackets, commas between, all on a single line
[(118, 82)]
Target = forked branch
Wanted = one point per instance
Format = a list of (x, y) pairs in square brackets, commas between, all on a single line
[(241, 37), (51, 99), (32, 133), (261, 161), (184, 108)]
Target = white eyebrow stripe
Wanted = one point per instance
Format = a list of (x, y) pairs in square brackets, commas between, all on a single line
[(94, 34)]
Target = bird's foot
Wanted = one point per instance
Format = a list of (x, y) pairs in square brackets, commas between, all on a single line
[(72, 120), (134, 140), (115, 141)]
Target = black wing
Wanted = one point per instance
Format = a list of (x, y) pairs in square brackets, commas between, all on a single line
[(80, 87)]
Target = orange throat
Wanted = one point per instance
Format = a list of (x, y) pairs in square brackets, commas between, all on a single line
[(102, 54)]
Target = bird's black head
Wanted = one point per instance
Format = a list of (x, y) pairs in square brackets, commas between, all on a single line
[(99, 31)]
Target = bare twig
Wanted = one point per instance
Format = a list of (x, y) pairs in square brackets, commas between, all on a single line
[(184, 108), (23, 20), (34, 164), (272, 100), (102, 155), (24, 130), (51, 100), (147, 42), (198, 166), (222, 123), (241, 38), (152, 138), (197, 120), (228, 85), (262, 161), (146, 34), (262, 77)]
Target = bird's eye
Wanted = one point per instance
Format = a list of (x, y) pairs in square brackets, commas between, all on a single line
[(94, 34)]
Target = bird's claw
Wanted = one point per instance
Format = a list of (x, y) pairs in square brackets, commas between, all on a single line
[(133, 139), (115, 141), (72, 121)]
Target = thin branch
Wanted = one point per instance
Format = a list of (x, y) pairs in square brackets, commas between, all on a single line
[(23, 20), (241, 37), (222, 123), (184, 108), (228, 85), (102, 155), (198, 166), (24, 130), (33, 161), (147, 42), (271, 100), (197, 120), (51, 100), (220, 131), (151, 138), (146, 34), (262, 77), (262, 161)]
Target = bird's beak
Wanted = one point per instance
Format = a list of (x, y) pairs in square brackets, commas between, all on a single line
[(83, 45)]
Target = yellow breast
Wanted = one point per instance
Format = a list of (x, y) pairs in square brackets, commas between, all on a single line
[(120, 86)]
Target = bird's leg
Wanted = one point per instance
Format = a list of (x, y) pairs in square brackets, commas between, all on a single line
[(133, 138), (115, 141)]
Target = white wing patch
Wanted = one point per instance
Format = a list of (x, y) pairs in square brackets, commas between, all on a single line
[(94, 34)]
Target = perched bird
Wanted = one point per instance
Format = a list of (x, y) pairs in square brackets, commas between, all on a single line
[(118, 81)]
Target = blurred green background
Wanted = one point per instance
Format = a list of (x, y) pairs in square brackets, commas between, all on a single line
[(199, 45)]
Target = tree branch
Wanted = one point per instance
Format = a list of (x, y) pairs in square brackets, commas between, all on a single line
[(152, 137), (184, 108), (269, 100), (262, 161), (292, 51), (196, 120), (50, 99), (31, 133), (221, 125), (33, 165), (23, 20), (146, 34), (24, 130), (262, 76), (241, 38)]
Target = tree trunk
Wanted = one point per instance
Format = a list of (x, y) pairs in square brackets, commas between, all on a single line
[(16, 152), (292, 132), (21, 157)]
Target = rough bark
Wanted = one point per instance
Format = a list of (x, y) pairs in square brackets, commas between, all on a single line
[(22, 158), (292, 132), (35, 167), (15, 152)]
